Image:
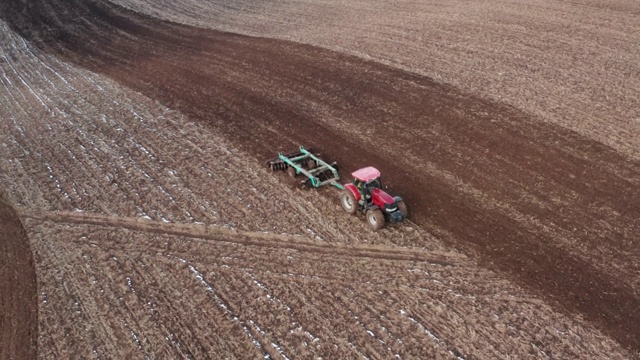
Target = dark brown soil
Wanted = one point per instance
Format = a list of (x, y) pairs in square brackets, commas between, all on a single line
[(18, 289), (556, 211)]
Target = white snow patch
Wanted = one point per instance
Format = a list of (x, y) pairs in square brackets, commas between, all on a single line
[(130, 284), (314, 234), (429, 333), (280, 350), (221, 304)]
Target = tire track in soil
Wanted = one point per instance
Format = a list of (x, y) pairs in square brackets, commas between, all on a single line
[(267, 95), (249, 238), (18, 295)]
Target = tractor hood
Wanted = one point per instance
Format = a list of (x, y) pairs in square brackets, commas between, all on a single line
[(380, 197)]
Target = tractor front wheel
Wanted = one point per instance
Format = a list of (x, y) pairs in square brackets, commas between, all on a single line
[(348, 201), (375, 219)]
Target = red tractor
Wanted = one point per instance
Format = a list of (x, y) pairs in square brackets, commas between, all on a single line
[(365, 193)]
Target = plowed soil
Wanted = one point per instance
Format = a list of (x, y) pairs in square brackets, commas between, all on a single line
[(155, 129), (572, 63), (18, 300)]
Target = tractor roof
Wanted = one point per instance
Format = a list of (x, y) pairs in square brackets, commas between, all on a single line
[(366, 174)]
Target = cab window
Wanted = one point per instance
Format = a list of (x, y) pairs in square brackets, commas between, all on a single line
[(376, 183)]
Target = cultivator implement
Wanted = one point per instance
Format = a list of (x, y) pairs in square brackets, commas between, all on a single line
[(317, 172)]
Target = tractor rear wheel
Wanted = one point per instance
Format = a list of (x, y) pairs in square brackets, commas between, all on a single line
[(375, 219), (291, 171), (403, 208), (348, 201)]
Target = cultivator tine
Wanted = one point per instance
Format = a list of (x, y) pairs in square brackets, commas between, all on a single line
[(277, 164)]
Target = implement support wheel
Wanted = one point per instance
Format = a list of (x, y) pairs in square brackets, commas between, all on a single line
[(291, 171)]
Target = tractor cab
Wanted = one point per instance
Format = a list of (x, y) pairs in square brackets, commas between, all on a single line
[(365, 180)]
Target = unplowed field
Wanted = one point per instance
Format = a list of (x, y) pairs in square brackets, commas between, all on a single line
[(133, 151)]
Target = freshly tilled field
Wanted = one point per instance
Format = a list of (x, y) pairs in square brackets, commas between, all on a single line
[(569, 63)]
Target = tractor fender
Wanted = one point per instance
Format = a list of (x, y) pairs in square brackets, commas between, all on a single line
[(354, 191)]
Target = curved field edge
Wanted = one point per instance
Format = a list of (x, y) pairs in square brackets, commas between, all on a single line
[(18, 289)]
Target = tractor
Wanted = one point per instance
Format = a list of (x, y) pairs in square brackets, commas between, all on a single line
[(365, 194)]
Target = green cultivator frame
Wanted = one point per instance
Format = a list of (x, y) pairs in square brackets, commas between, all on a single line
[(317, 172)]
